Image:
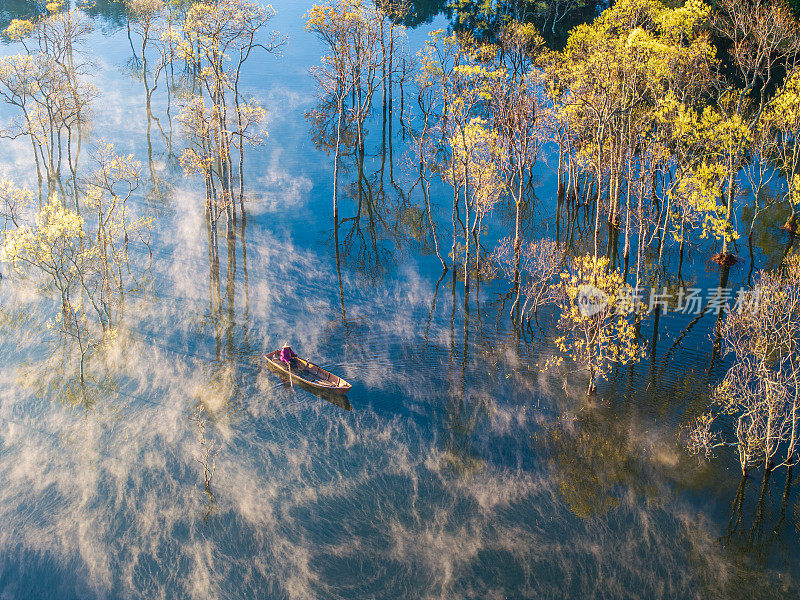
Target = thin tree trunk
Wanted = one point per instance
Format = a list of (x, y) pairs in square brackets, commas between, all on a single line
[(340, 108)]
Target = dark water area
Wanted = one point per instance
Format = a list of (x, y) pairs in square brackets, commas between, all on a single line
[(462, 471)]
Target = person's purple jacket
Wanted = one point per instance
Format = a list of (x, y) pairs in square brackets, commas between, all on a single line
[(287, 354)]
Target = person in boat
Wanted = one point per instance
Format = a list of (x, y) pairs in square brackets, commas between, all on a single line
[(287, 354)]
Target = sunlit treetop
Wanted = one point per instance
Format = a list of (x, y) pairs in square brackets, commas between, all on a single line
[(223, 22), (117, 175), (595, 339), (18, 29), (433, 57), (171, 35), (685, 22), (55, 227), (525, 33), (638, 47), (351, 30), (326, 17), (56, 23), (699, 193), (460, 69), (144, 9), (197, 118), (784, 109), (712, 131), (682, 23), (13, 203), (795, 190), (478, 147)]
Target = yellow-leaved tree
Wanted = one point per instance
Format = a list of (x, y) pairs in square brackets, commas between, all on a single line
[(90, 261), (705, 146), (477, 148), (53, 246), (46, 86), (781, 120), (596, 319)]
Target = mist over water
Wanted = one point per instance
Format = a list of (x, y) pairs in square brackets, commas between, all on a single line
[(462, 470)]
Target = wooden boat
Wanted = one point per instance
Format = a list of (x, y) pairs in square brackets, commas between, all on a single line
[(307, 374)]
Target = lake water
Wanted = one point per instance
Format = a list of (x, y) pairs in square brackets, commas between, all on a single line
[(462, 471)]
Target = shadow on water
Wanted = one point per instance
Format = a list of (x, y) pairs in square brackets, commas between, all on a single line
[(339, 400)]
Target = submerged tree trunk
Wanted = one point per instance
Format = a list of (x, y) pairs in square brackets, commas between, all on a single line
[(340, 108), (431, 223), (726, 251), (560, 193), (517, 248), (597, 212), (466, 224)]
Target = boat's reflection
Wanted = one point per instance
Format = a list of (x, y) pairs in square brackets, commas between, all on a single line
[(338, 399)]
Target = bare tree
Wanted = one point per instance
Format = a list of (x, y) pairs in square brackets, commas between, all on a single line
[(761, 390), (46, 84), (536, 266), (764, 40)]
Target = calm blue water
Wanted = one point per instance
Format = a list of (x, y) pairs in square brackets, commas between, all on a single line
[(461, 470)]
